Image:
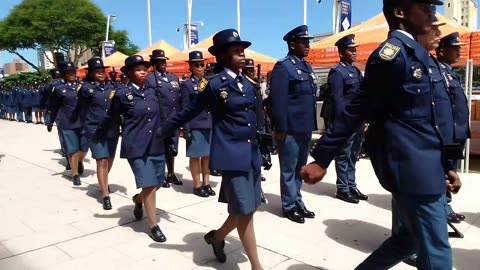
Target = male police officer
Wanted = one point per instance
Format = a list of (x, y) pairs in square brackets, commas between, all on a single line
[(344, 81), (293, 90), (398, 95), (448, 53), (168, 85)]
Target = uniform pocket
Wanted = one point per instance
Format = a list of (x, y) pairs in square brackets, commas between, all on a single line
[(416, 100)]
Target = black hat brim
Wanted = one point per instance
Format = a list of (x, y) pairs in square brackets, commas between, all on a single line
[(216, 50), (158, 58), (125, 68), (104, 67), (195, 60), (69, 69)]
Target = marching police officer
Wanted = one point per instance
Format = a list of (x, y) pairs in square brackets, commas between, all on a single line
[(168, 86), (123, 79), (293, 91), (344, 81), (65, 105), (448, 53), (210, 69), (36, 100), (27, 102), (404, 140), (19, 101)]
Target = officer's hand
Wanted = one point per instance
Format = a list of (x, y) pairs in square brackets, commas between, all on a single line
[(280, 136), (312, 173), (453, 182), (49, 127)]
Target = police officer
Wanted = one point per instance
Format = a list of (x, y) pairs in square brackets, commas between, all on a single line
[(123, 79), (293, 91), (197, 132), (64, 104), (138, 103), (96, 94), (19, 101), (10, 103), (36, 99), (210, 69), (404, 140), (249, 69), (448, 53), (344, 81), (234, 147), (168, 86), (27, 102)]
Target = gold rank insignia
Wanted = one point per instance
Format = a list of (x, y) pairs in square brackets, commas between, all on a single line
[(224, 94), (417, 74), (203, 84), (78, 87), (389, 51), (112, 94)]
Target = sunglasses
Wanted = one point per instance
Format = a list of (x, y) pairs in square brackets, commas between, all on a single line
[(199, 65)]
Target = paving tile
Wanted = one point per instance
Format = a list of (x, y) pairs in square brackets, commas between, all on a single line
[(294, 265), (45, 258), (267, 257), (4, 253)]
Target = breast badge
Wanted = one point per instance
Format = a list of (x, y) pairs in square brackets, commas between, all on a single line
[(224, 95), (417, 73)]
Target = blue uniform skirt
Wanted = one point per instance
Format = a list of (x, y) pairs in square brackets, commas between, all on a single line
[(149, 171), (241, 191), (74, 140), (11, 109), (199, 145), (35, 109), (104, 149)]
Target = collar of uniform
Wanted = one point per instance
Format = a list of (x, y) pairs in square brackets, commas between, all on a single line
[(295, 59), (405, 33), (231, 73), (419, 51), (194, 79), (135, 86)]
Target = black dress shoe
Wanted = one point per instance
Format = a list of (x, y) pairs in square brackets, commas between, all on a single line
[(209, 190), (294, 215), (81, 169), (305, 213), (107, 204), (263, 198), (138, 210), (346, 196), (76, 180), (412, 260), (216, 245), (156, 234), (453, 218), (359, 195), (173, 179), (67, 167), (460, 216), (200, 192), (263, 178), (215, 173), (165, 183)]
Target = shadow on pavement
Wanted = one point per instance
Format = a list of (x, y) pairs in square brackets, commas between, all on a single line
[(274, 205), (304, 267), (322, 189), (55, 151), (362, 236), (383, 201), (472, 218), (199, 251)]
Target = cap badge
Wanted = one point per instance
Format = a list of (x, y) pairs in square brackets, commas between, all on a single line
[(139, 58), (235, 34), (98, 61)]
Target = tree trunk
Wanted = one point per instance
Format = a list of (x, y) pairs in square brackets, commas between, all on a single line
[(24, 59)]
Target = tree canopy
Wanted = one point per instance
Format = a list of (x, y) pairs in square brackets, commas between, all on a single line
[(71, 27)]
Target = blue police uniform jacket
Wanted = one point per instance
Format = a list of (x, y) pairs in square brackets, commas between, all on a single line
[(293, 90), (10, 98), (27, 98), (65, 106), (189, 91), (48, 90), (19, 96), (36, 97), (141, 114), (397, 96), (344, 80), (96, 100), (234, 145), (169, 88), (459, 103)]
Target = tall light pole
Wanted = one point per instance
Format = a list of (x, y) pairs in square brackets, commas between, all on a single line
[(110, 18), (305, 12), (238, 16), (149, 24), (189, 23)]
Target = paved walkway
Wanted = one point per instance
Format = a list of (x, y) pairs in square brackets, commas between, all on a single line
[(46, 223)]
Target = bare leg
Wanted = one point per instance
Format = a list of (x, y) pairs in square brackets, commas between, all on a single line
[(36, 117), (40, 116), (228, 226), (110, 163), (81, 156), (195, 170), (149, 200), (246, 232), (73, 160), (102, 175), (205, 170)]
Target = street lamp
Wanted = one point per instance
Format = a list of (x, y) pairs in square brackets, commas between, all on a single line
[(110, 18)]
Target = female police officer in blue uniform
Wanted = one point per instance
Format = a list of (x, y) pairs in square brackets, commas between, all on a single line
[(96, 94), (234, 147), (145, 153), (197, 131), (64, 104)]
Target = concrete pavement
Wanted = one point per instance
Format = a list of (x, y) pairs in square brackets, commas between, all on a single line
[(47, 223)]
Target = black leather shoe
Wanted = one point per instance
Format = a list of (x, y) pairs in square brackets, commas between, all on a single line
[(346, 196), (67, 167), (216, 245), (263, 178), (263, 198), (306, 214), (156, 234), (165, 183), (412, 260), (215, 173), (173, 179), (453, 218), (359, 195), (209, 190), (76, 180), (107, 204), (294, 215), (200, 192), (81, 169), (460, 216), (138, 210)]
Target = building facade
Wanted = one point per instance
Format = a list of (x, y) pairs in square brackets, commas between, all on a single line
[(45, 59), (462, 11), (15, 67)]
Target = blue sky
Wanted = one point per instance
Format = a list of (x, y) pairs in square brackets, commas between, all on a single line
[(263, 22)]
